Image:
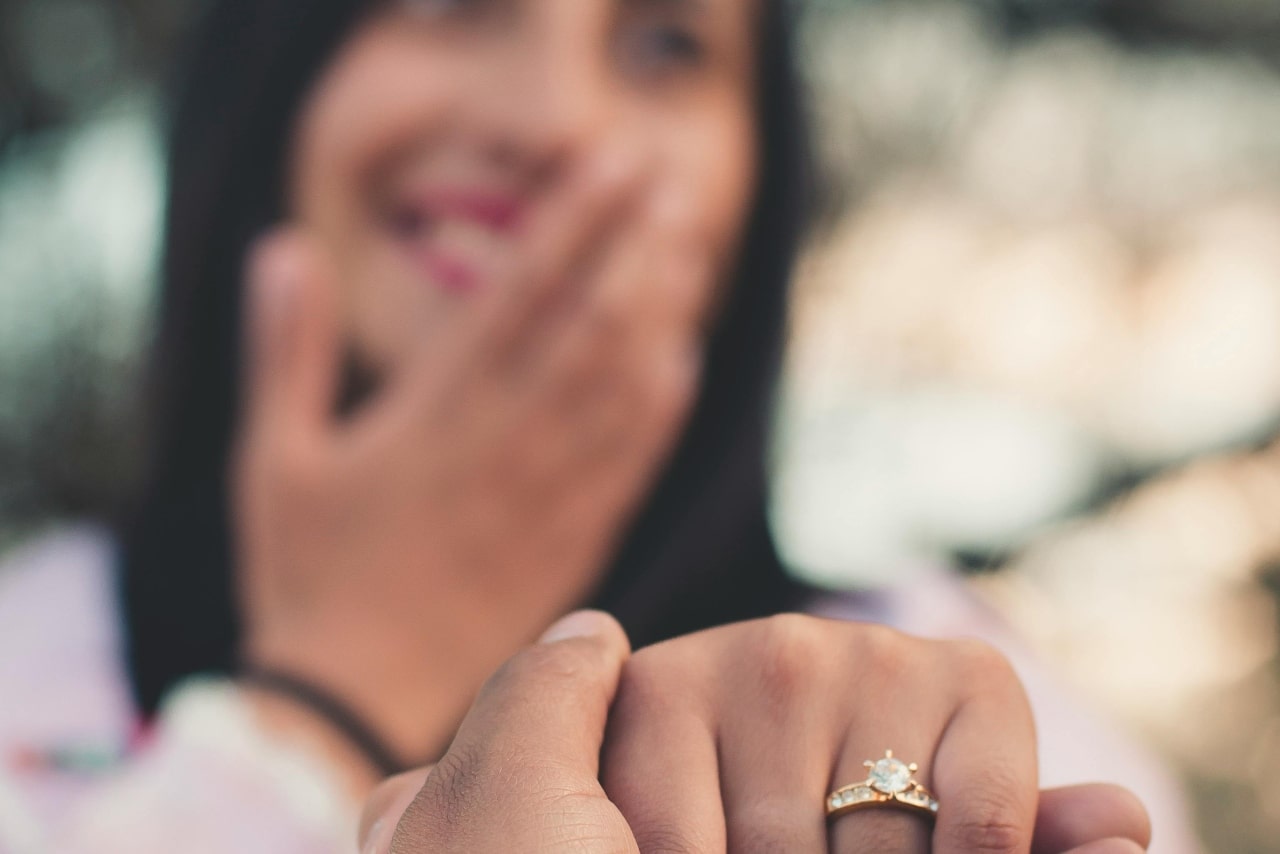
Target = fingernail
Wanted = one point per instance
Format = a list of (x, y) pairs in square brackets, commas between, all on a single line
[(580, 624)]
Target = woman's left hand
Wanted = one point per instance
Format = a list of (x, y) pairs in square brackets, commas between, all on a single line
[(733, 738)]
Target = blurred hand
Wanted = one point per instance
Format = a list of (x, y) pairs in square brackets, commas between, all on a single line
[(729, 740), (397, 556)]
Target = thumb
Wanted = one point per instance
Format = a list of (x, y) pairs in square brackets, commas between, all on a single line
[(292, 331), (538, 722), (549, 704)]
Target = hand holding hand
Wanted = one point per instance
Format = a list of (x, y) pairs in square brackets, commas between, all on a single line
[(729, 740)]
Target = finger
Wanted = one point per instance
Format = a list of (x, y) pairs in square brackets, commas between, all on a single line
[(532, 738), (574, 378), (385, 806), (684, 286), (549, 704), (645, 290), (660, 767), (451, 373), (985, 766), (559, 249), (893, 723), (1077, 815), (775, 765), (605, 375), (294, 341), (1109, 846)]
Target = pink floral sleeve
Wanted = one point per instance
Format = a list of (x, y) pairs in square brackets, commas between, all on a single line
[(211, 781), (74, 776)]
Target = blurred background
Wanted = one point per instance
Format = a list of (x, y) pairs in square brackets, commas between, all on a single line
[(1037, 338)]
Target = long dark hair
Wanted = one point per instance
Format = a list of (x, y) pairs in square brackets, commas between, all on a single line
[(698, 554)]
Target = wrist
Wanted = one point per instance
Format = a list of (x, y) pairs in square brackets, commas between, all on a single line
[(299, 725), (412, 701)]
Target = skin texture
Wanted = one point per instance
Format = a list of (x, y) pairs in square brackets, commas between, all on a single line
[(741, 762), (398, 555)]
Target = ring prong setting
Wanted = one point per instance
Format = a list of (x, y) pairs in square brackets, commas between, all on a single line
[(890, 782)]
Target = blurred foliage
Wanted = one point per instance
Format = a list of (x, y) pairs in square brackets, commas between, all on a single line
[(60, 60), (79, 215)]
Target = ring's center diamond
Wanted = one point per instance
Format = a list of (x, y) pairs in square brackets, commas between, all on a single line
[(890, 776)]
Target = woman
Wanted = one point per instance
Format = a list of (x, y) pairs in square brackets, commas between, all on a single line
[(514, 296)]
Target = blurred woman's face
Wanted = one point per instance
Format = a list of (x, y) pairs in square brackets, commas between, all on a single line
[(443, 124)]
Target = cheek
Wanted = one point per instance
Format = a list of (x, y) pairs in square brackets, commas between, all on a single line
[(718, 163)]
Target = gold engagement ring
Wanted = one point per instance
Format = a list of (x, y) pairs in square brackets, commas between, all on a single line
[(890, 783)]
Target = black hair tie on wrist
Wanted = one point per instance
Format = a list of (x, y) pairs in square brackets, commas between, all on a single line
[(333, 710)]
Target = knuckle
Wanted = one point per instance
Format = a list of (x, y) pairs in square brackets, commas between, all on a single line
[(981, 664), (886, 651), (664, 838), (660, 683), (790, 655), (664, 682), (979, 655), (455, 781), (447, 804), (992, 833), (642, 689), (791, 635)]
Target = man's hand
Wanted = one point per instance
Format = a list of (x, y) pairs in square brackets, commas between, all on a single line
[(522, 774)]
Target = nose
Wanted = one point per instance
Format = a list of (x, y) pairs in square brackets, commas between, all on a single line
[(554, 99)]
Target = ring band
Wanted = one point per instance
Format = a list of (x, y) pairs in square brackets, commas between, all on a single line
[(889, 784)]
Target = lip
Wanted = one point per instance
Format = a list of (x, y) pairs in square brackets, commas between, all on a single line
[(453, 274), (499, 212), (413, 217)]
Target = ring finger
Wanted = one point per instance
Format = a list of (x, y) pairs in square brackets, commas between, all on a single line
[(870, 777)]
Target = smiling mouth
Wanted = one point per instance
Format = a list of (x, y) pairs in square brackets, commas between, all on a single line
[(451, 238)]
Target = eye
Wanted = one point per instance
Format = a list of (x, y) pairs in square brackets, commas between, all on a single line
[(677, 43), (436, 8), (658, 47)]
